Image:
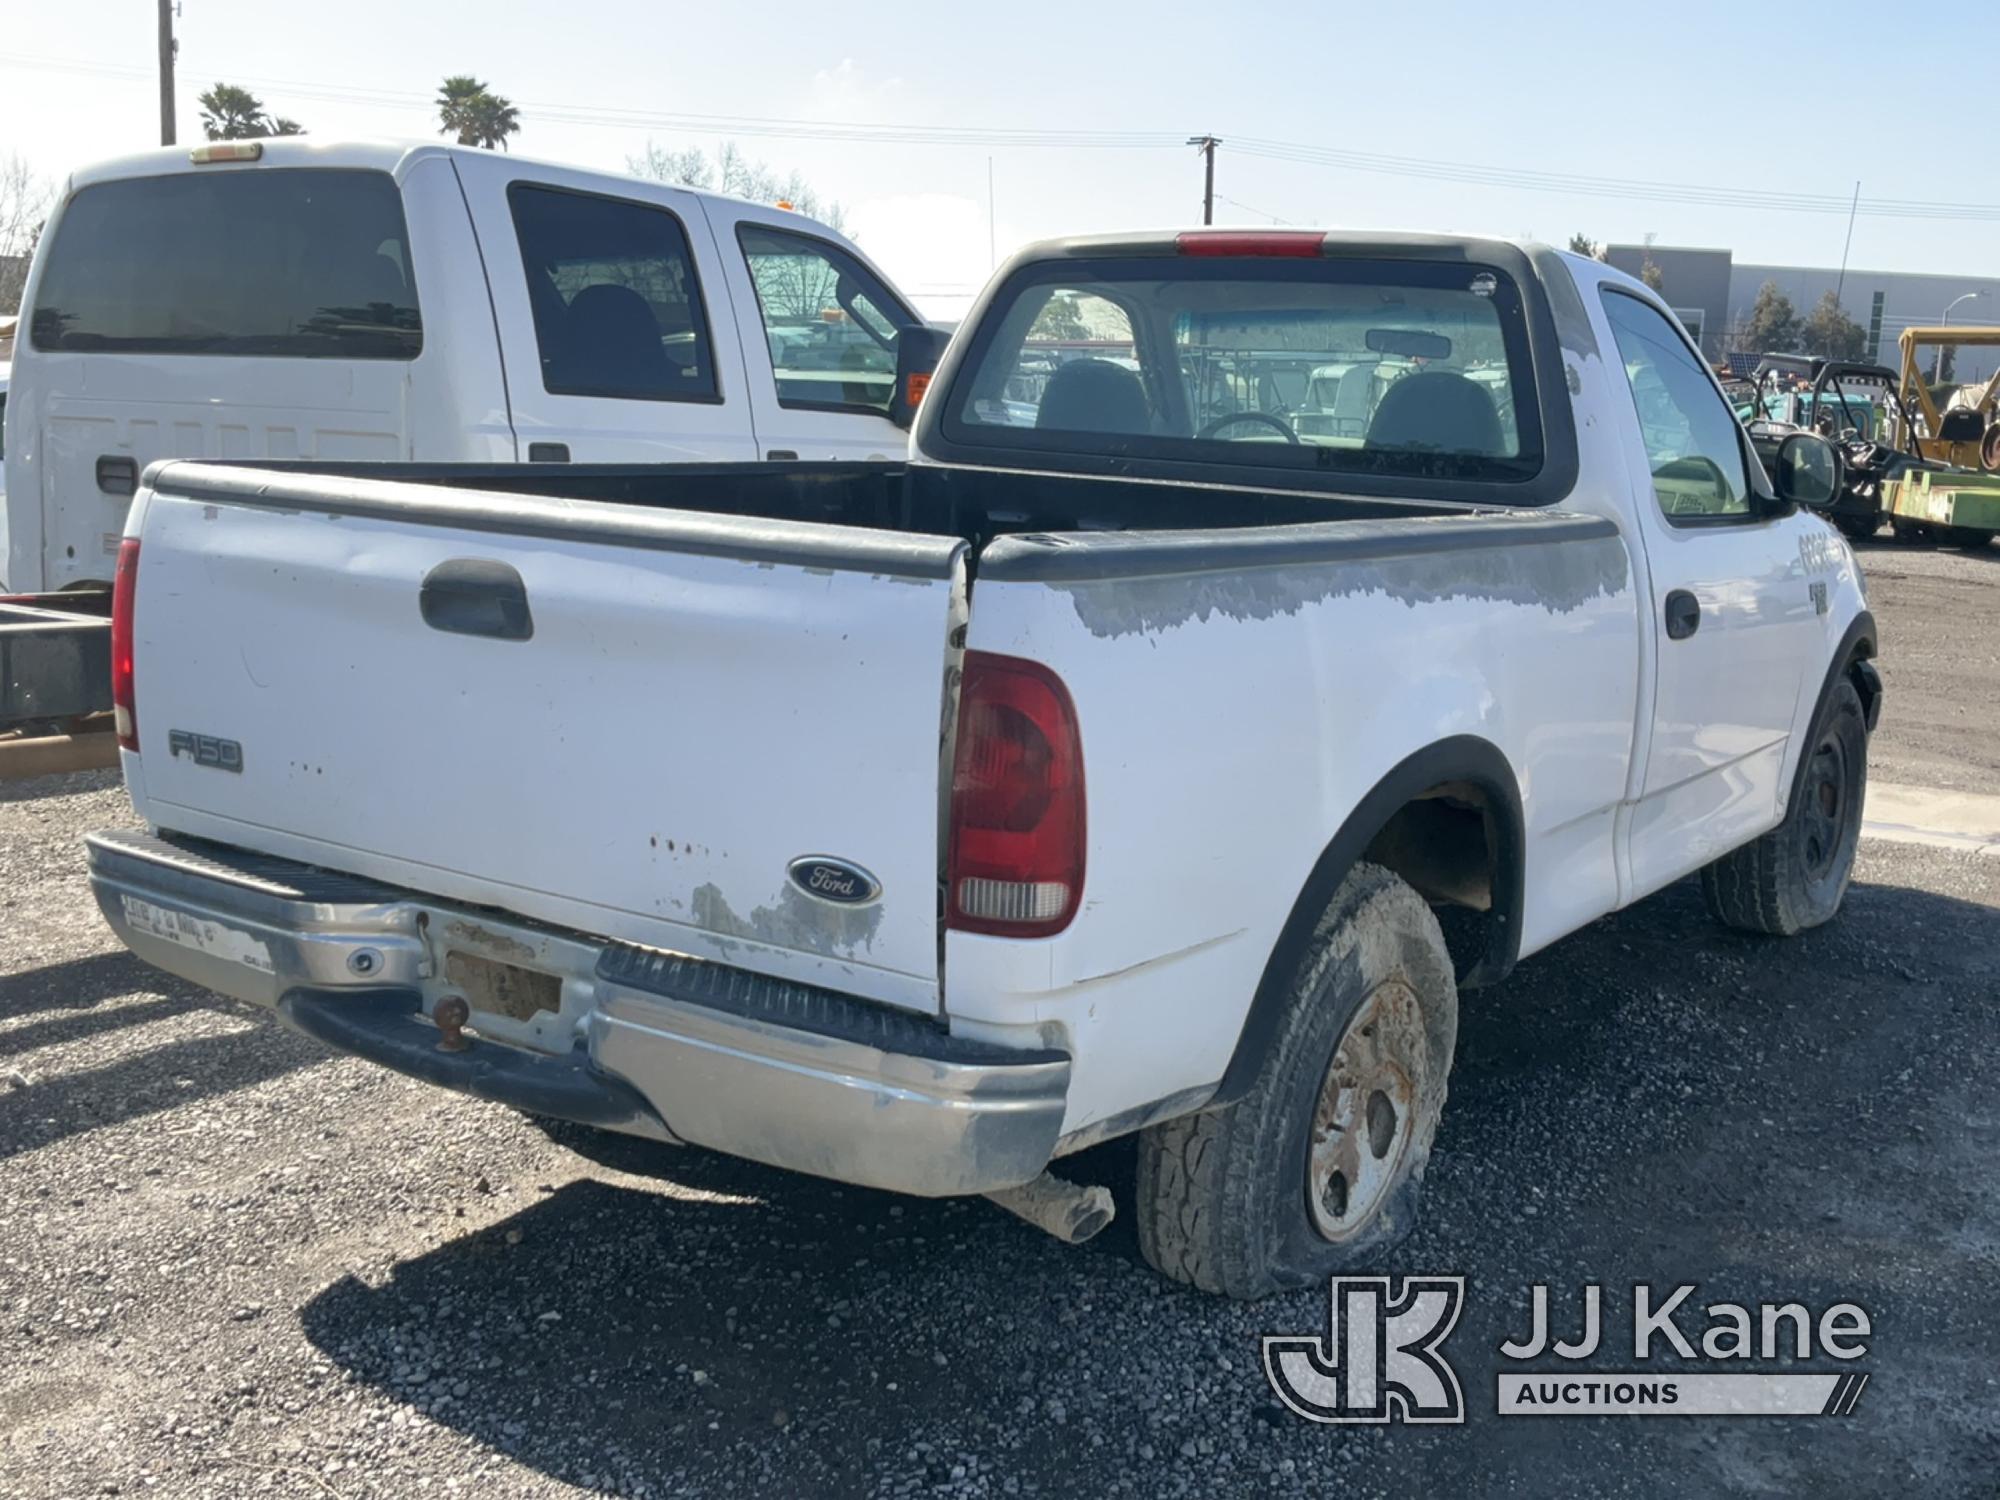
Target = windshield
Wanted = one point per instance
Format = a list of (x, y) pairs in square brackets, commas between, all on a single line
[(1379, 367)]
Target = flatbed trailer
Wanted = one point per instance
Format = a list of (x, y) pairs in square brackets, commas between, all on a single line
[(1960, 505), (55, 683)]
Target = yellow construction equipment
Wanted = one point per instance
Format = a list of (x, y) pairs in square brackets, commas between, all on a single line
[(1957, 434)]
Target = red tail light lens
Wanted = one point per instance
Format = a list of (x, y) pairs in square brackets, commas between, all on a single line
[(1299, 242), (124, 583), (1015, 861)]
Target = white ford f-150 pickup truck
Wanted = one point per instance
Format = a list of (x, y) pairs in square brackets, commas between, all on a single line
[(1270, 637)]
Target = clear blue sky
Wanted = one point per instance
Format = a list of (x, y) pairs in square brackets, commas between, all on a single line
[(1701, 95)]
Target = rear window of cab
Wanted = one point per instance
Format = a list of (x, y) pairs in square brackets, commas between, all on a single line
[(1389, 368), (309, 262)]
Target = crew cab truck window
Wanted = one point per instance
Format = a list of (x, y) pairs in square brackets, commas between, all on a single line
[(306, 263), (1690, 434), (829, 323), (616, 302)]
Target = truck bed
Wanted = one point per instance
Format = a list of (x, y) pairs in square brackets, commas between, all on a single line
[(628, 700), (973, 504)]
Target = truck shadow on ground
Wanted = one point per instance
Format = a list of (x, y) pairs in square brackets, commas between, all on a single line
[(71, 1002), (1661, 1100)]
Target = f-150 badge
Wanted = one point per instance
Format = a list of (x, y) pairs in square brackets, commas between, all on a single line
[(206, 750)]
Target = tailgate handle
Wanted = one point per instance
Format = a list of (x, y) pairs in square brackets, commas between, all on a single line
[(118, 474), (476, 596)]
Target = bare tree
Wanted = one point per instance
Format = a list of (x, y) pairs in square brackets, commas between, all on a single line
[(25, 200), (728, 170)]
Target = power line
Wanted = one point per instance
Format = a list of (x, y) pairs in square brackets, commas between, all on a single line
[(1290, 152), (1261, 213), (1608, 187)]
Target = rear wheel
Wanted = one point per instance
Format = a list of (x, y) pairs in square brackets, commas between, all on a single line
[(1969, 537), (1795, 876), (1318, 1166)]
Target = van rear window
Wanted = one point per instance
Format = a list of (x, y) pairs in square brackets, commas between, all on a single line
[(305, 263)]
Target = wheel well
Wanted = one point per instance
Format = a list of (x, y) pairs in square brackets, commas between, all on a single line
[(1444, 843), (1866, 682), (1448, 821)]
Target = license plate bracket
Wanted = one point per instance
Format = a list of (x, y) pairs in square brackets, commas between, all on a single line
[(503, 989)]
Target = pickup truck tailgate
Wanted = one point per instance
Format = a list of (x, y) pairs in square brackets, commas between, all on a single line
[(628, 721)]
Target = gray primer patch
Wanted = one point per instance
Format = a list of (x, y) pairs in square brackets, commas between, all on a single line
[(1560, 578), (796, 922)]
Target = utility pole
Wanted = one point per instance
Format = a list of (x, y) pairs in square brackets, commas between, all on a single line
[(1840, 285), (1207, 145), (166, 72)]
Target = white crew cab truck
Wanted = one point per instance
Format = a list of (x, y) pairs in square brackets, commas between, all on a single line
[(1131, 763), (298, 299)]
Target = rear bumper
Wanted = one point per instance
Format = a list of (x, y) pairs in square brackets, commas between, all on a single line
[(639, 1040)]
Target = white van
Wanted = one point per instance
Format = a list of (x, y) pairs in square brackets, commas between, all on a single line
[(296, 298)]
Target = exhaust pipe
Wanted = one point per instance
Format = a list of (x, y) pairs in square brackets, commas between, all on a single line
[(1067, 1210)]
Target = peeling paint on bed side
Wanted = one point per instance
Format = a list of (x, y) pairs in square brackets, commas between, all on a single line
[(1559, 578), (796, 922)]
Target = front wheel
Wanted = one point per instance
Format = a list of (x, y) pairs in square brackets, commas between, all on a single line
[(1859, 528), (1795, 876), (1318, 1165)]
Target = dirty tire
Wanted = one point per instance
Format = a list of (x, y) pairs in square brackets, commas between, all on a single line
[(1858, 528), (1795, 876), (1970, 538), (1222, 1195)]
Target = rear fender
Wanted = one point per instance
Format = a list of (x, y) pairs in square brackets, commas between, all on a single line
[(1464, 759)]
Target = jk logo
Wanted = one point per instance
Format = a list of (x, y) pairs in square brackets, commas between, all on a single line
[(1379, 1360)]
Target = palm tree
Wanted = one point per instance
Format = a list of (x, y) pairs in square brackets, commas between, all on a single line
[(232, 114), (475, 114), (496, 119)]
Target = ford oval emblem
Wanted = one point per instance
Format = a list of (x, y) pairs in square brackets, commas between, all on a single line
[(834, 880)]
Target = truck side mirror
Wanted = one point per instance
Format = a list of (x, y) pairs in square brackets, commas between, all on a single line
[(918, 350), (1806, 470)]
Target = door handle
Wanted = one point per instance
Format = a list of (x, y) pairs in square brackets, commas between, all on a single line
[(117, 474), (476, 596), (1683, 615)]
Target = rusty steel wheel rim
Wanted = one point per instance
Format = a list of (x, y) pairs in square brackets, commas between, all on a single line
[(1366, 1116), (1826, 810)]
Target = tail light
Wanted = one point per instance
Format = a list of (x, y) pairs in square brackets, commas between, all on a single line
[(1283, 242), (124, 583), (1014, 866)]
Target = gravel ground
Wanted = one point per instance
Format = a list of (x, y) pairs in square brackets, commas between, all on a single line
[(1939, 610), (236, 1265)]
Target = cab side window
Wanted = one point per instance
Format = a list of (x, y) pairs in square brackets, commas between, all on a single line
[(829, 323), (616, 304), (1690, 434)]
